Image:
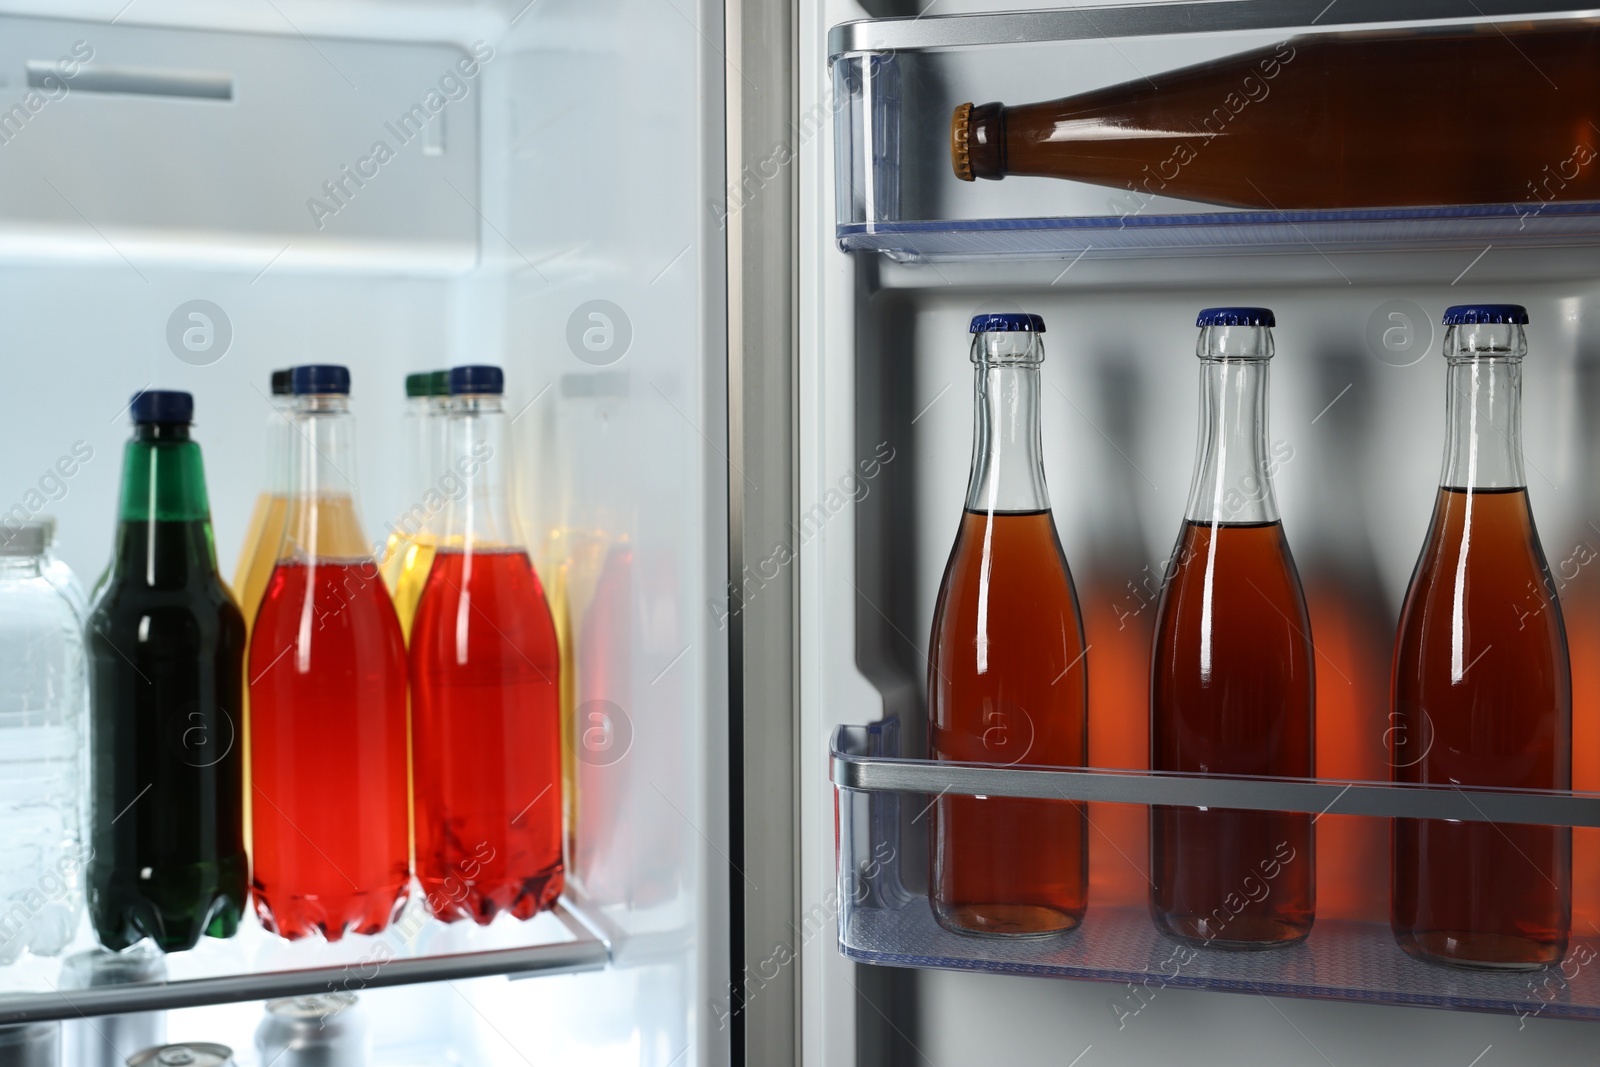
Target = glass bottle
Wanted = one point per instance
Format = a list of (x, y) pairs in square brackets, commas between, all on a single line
[(259, 551), (166, 646), (486, 688), (1482, 687), (42, 686), (327, 698), (412, 534), (1231, 682), (1007, 681), (1311, 122)]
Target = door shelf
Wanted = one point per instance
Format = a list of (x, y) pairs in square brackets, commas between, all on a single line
[(256, 965), (896, 81), (884, 915), (1228, 232)]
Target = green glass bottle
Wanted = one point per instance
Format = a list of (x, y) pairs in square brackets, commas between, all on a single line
[(166, 647)]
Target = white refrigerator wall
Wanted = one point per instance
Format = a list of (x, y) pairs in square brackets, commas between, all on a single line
[(885, 371), (549, 216)]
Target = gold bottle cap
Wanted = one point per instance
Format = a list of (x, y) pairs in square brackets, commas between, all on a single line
[(959, 122)]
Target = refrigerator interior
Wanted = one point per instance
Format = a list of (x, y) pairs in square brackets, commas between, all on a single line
[(539, 204), (886, 419)]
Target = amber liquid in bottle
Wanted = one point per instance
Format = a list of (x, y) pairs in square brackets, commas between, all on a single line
[(1482, 691), (1312, 122), (1232, 686), (1006, 674)]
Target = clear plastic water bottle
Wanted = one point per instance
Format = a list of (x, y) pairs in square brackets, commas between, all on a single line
[(42, 680), (58, 574)]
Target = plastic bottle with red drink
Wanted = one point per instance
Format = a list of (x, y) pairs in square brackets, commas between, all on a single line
[(327, 698), (486, 696), (1006, 672), (1482, 688), (1231, 681)]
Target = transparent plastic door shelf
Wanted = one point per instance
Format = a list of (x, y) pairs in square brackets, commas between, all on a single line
[(884, 917), (896, 81)]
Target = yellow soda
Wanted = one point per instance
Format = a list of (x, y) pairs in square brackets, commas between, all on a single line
[(259, 552), (408, 553), (260, 548)]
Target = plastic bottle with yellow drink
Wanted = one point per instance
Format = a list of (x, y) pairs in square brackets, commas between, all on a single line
[(259, 551), (408, 554), (260, 548)]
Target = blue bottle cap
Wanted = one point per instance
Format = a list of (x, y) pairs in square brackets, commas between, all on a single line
[(999, 322), (162, 405), (477, 378), (314, 378), (1235, 317), (1485, 314)]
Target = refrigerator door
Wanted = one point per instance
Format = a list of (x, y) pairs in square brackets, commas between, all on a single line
[(399, 187), (896, 257)]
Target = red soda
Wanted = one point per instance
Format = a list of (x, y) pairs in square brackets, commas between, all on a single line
[(486, 671), (488, 771), (328, 748), (332, 842)]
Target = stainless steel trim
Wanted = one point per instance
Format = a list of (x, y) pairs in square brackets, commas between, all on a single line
[(877, 775), (910, 34), (761, 216), (585, 953)]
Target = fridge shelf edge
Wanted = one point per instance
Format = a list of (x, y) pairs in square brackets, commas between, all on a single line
[(878, 774), (1226, 232), (586, 952), (922, 33)]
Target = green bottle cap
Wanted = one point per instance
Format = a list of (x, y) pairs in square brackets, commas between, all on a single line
[(439, 383), (418, 384)]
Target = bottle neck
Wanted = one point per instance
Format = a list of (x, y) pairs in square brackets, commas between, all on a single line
[(162, 476), (477, 459), (1007, 454), (280, 427), (15, 568), (322, 520), (1483, 413), (1233, 465), (165, 537)]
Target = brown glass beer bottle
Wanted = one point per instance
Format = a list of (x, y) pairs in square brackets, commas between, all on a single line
[(1383, 118)]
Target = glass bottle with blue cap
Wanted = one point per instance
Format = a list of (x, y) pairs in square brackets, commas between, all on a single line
[(330, 815), (1482, 686), (166, 646), (1232, 689), (1007, 679)]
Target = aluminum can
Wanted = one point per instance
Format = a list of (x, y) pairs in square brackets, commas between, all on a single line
[(325, 1030), (194, 1054), (95, 1042), (30, 1045)]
